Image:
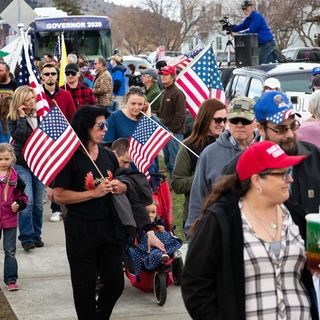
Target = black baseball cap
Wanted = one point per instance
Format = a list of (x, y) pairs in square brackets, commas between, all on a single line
[(72, 67), (246, 4)]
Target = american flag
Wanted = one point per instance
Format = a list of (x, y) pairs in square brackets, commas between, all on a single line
[(50, 146), (201, 81), (181, 61), (56, 48), (146, 142), (28, 75)]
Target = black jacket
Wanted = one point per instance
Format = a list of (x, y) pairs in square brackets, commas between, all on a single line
[(139, 195), (213, 278)]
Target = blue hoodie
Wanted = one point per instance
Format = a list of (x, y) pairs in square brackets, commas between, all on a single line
[(118, 80)]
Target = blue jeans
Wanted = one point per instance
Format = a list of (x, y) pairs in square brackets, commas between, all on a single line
[(10, 273), (170, 151), (30, 219), (266, 52)]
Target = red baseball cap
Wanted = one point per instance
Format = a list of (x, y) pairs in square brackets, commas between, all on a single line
[(264, 155), (168, 70)]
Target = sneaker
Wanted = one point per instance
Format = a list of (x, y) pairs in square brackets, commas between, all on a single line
[(12, 287), (28, 245), (177, 253), (38, 243), (165, 258), (55, 216)]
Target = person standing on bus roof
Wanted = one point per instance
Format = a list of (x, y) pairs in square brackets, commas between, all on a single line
[(81, 94), (63, 99), (118, 79), (102, 85)]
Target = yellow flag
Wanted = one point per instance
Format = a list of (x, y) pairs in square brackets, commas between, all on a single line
[(63, 62)]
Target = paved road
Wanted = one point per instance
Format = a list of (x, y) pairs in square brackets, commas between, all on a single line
[(45, 288)]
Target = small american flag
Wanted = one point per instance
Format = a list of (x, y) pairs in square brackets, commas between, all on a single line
[(181, 61), (201, 81), (146, 142), (50, 146), (28, 75)]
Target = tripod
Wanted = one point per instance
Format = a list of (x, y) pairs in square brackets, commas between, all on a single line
[(227, 50)]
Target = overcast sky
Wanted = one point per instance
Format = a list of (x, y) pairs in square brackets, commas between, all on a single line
[(122, 2)]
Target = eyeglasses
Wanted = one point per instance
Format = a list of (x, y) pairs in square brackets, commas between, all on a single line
[(285, 175), (47, 74), (72, 73), (219, 120), (243, 121), (284, 129), (102, 125)]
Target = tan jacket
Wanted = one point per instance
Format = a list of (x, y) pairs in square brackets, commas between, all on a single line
[(102, 88)]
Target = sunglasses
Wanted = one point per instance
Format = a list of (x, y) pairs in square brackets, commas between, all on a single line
[(220, 120), (283, 174), (72, 73), (243, 121), (47, 74), (135, 89), (284, 129), (102, 125)]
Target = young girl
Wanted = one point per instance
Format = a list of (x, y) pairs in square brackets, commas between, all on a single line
[(152, 259), (12, 200)]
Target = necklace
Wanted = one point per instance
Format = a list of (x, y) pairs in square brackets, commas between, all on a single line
[(273, 226)]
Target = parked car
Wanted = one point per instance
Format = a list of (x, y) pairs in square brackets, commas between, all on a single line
[(295, 79), (136, 61), (311, 54)]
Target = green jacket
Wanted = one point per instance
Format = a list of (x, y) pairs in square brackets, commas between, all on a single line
[(151, 94)]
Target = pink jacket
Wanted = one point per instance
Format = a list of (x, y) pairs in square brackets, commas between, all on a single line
[(9, 219)]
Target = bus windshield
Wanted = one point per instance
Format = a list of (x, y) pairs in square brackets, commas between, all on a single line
[(88, 35)]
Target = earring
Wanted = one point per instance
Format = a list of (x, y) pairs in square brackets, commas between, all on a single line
[(259, 189)]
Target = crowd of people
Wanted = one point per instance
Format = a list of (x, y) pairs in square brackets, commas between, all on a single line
[(249, 173)]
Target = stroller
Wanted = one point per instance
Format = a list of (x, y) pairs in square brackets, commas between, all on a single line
[(166, 273)]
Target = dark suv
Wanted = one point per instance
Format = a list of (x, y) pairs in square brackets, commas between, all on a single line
[(295, 79)]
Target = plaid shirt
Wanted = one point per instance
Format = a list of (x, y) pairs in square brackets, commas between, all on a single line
[(81, 95), (273, 287)]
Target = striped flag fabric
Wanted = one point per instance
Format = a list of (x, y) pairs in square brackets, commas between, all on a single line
[(28, 75), (201, 81), (183, 60), (146, 142), (50, 146)]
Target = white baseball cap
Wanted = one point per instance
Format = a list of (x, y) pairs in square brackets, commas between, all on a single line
[(272, 83)]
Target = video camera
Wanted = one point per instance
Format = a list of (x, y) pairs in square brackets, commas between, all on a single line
[(226, 25)]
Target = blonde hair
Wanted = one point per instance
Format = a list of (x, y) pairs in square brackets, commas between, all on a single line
[(18, 99), (314, 104), (6, 147)]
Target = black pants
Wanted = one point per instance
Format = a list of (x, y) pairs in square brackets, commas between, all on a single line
[(92, 251)]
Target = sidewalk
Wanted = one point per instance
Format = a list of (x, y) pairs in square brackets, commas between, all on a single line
[(45, 288)]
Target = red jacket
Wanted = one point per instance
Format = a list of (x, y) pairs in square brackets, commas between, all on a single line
[(64, 101), (9, 219)]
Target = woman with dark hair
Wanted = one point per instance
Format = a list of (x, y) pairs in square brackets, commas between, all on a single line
[(209, 124), (94, 235), (246, 257)]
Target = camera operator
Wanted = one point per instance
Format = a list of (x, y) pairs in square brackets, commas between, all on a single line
[(255, 23)]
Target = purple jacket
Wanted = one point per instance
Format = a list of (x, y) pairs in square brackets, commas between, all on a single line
[(9, 219)]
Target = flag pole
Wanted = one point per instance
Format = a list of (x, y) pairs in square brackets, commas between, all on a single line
[(171, 134), (82, 145)]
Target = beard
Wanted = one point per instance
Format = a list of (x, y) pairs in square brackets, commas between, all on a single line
[(289, 145), (3, 78)]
